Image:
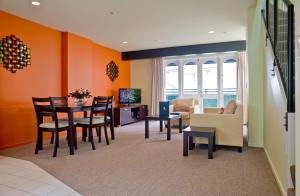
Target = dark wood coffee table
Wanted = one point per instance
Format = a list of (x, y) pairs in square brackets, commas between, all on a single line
[(190, 132), (171, 117)]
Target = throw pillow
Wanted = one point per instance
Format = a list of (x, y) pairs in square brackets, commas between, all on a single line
[(231, 107), (221, 111)]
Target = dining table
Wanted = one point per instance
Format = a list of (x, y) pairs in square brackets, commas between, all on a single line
[(71, 109)]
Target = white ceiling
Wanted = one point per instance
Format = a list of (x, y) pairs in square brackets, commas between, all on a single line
[(144, 24)]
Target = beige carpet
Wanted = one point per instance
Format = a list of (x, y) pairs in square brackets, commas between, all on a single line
[(131, 166)]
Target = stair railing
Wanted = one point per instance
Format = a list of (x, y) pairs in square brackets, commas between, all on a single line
[(278, 16)]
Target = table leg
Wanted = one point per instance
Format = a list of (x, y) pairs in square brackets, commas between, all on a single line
[(112, 123), (161, 125), (84, 130), (185, 144), (214, 144), (169, 130), (146, 128), (71, 131), (180, 125), (191, 144), (210, 146)]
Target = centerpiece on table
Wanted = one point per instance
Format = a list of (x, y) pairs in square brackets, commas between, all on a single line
[(80, 96)]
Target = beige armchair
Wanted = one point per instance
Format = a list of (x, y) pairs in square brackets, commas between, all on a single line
[(186, 107), (229, 125)]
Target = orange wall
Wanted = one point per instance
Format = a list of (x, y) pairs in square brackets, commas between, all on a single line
[(42, 78), (102, 85), (58, 66), (80, 54)]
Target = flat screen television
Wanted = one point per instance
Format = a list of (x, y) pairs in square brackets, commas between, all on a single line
[(129, 96)]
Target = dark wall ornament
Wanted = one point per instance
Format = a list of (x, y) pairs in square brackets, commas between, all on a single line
[(112, 71), (14, 54)]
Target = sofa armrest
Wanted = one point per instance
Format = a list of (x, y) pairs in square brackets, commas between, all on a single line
[(211, 110), (194, 109)]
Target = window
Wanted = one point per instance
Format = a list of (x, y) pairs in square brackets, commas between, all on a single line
[(210, 78), (171, 81)]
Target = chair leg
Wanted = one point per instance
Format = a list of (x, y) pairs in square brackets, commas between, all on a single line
[(58, 140), (112, 131), (99, 134), (106, 136), (56, 144), (97, 131), (75, 138), (68, 138), (40, 140), (91, 137), (37, 143), (52, 138)]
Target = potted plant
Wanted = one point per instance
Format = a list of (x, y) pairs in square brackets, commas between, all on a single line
[(80, 96)]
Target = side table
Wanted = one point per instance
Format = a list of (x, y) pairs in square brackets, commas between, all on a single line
[(190, 132)]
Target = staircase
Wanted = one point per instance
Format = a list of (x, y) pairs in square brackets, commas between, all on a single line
[(292, 191), (278, 16)]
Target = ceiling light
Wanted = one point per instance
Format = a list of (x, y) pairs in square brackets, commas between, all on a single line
[(299, 39), (35, 3), (211, 32), (124, 42)]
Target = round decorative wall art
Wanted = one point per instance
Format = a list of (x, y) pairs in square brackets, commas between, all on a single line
[(112, 71), (14, 54)]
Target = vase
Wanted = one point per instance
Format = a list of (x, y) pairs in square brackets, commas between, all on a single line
[(80, 101)]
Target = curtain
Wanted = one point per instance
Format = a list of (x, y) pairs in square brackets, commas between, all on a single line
[(241, 61), (158, 85)]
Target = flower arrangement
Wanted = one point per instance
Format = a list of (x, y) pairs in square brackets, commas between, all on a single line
[(80, 93)]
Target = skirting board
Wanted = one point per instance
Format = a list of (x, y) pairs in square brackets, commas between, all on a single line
[(283, 192)]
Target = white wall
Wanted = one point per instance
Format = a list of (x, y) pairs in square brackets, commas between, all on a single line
[(141, 77), (275, 136), (255, 49)]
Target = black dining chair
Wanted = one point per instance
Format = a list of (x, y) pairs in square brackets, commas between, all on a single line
[(99, 106), (44, 108), (111, 116), (109, 119), (58, 101)]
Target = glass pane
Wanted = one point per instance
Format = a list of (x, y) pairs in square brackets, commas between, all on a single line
[(209, 78), (190, 81), (210, 84), (210, 103), (229, 81), (171, 98), (171, 78)]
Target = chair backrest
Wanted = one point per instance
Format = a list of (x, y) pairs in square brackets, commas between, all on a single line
[(43, 107), (101, 104), (59, 101), (183, 104)]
